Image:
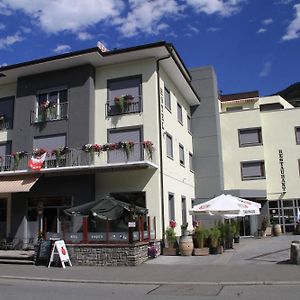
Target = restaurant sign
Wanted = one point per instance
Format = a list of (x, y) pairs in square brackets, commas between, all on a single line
[(282, 171)]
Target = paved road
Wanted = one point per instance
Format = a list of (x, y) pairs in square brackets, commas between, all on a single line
[(253, 261), (32, 290)]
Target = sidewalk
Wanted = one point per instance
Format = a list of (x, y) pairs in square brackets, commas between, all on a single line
[(253, 261)]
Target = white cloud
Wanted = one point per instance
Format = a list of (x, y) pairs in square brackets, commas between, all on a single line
[(283, 2), (62, 49), (145, 16), (58, 15), (261, 30), (266, 69), (222, 7), (131, 17), (10, 40), (193, 28), (293, 30), (84, 36), (267, 21), (25, 29), (3, 65), (213, 29), (2, 26)]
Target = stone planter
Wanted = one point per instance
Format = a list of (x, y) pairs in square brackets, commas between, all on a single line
[(201, 251)]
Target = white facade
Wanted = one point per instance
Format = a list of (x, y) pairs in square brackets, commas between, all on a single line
[(278, 152)]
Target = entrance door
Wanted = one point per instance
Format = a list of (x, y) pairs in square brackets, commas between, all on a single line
[(50, 220), (3, 218)]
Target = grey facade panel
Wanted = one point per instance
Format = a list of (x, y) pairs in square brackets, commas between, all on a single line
[(207, 152), (78, 127)]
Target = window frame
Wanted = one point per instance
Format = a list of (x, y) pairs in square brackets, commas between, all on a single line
[(262, 168), (189, 124), (259, 134), (179, 106), (183, 210), (11, 122), (181, 148), (167, 92), (172, 148), (191, 165), (172, 213), (296, 137)]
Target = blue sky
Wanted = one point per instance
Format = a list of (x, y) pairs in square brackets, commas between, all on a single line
[(252, 44)]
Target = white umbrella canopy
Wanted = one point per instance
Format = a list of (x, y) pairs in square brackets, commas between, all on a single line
[(227, 206)]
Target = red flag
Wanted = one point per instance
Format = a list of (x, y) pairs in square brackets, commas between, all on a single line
[(36, 163)]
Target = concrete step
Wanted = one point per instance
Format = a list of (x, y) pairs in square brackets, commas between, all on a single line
[(16, 261)]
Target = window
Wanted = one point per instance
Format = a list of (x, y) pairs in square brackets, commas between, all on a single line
[(6, 113), (183, 210), (125, 135), (181, 154), (49, 143), (51, 106), (253, 170), (250, 137), (234, 108), (297, 132), (5, 150), (131, 86), (270, 106), (191, 162), (189, 124), (179, 113), (169, 143), (3, 216), (167, 99), (171, 207)]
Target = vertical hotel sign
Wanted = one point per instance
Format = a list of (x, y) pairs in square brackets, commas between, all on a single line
[(161, 95), (282, 171)]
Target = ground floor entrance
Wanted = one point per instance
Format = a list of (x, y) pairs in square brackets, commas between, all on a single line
[(286, 213), (44, 216)]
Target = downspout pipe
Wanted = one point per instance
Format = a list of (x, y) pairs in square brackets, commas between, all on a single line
[(160, 145)]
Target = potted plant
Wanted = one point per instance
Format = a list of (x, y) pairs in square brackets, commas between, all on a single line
[(17, 156), (123, 101), (201, 234), (236, 230), (214, 235), (264, 226), (148, 146), (58, 153), (229, 232), (171, 238)]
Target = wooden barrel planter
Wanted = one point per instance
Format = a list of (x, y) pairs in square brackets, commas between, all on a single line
[(186, 245), (276, 230)]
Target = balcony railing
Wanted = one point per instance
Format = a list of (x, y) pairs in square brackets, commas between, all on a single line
[(128, 107), (80, 158), (51, 113), (5, 122)]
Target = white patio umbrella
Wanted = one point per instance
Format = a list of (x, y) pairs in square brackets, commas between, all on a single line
[(227, 205)]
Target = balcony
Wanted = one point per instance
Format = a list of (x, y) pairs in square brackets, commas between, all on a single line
[(79, 159), (5, 122), (50, 113), (127, 107)]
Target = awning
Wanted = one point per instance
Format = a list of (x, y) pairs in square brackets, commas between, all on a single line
[(17, 184), (107, 208)]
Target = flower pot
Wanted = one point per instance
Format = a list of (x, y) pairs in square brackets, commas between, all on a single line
[(169, 251), (276, 229), (236, 239), (201, 251), (186, 244)]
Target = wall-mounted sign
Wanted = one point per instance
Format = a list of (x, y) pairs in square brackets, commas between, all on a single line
[(161, 95), (131, 224), (282, 172)]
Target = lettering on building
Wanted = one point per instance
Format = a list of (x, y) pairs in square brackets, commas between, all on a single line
[(282, 172), (161, 94)]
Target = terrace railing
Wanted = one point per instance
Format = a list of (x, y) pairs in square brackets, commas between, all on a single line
[(51, 113)]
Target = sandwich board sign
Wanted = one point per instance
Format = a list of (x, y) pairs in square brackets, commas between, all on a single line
[(60, 249)]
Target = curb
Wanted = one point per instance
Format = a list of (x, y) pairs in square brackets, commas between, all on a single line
[(221, 283)]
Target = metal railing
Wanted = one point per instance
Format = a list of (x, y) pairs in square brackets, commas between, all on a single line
[(5, 123), (51, 113), (79, 157), (128, 107)]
